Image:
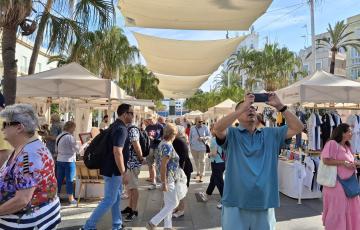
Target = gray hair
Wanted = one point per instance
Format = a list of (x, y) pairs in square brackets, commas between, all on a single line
[(23, 113)]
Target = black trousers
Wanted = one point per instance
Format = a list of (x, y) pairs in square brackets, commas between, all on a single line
[(216, 178)]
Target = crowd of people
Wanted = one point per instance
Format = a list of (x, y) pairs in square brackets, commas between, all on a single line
[(245, 154)]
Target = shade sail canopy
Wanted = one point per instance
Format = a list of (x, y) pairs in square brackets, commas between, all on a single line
[(180, 83), (322, 87), (193, 15), (183, 57), (177, 95), (70, 80)]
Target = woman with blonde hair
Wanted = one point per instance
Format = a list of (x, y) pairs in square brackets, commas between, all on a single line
[(66, 148), (168, 163)]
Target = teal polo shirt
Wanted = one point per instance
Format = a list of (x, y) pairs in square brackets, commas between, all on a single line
[(251, 180)]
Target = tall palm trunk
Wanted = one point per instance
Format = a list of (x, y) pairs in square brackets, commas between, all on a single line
[(39, 37), (10, 66), (332, 64)]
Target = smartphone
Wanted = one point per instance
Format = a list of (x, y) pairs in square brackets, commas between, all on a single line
[(261, 97)]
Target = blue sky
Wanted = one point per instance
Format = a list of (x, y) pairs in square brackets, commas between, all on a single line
[(286, 22)]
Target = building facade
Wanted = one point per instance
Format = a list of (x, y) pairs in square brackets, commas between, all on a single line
[(323, 59), (23, 54), (352, 55)]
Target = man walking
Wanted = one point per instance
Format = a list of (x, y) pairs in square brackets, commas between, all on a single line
[(112, 168), (133, 166), (155, 133), (199, 135), (251, 186)]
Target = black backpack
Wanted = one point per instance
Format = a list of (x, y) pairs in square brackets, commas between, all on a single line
[(144, 141), (99, 146)]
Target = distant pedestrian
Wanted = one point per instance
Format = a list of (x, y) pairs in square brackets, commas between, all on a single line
[(199, 136), (67, 148), (104, 124)]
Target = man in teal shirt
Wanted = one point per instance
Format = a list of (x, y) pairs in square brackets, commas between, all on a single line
[(251, 184)]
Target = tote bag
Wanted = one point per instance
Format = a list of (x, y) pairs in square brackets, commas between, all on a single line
[(327, 174)]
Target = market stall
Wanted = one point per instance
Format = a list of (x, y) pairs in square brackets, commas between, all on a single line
[(331, 94), (221, 109)]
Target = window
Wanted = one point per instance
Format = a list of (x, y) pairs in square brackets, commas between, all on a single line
[(24, 63), (318, 65), (355, 73), (306, 68), (39, 67), (355, 56)]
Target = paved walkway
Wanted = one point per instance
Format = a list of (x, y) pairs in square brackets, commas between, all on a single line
[(198, 215)]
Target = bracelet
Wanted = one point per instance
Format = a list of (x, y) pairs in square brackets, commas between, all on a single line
[(283, 109)]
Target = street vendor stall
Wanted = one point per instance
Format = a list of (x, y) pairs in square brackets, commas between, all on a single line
[(329, 93)]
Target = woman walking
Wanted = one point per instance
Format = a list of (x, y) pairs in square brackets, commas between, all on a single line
[(182, 149), (67, 148), (339, 211), (168, 164)]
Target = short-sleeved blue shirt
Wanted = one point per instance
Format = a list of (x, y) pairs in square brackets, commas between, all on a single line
[(251, 180), (218, 157)]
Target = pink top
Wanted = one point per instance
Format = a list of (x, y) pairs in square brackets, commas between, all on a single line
[(335, 151)]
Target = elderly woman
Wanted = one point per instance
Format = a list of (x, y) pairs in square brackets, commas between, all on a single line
[(182, 149), (339, 211), (67, 148), (168, 163), (27, 182)]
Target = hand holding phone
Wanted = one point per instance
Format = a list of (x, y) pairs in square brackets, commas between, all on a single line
[(261, 97)]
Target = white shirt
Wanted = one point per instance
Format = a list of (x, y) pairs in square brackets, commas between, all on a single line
[(66, 147)]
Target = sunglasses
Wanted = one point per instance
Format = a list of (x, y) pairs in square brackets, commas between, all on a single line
[(11, 123), (131, 113), (254, 107)]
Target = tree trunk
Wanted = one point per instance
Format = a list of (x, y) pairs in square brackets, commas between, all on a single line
[(39, 37), (332, 64), (10, 66)]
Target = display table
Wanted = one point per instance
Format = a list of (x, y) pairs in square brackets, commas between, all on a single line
[(289, 184)]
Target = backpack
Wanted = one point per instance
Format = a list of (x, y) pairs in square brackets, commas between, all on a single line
[(144, 141), (99, 146)]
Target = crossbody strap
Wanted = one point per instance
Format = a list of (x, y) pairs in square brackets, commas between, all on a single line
[(57, 142), (199, 135)]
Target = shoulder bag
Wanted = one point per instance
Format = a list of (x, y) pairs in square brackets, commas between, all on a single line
[(326, 175), (206, 145), (351, 186)]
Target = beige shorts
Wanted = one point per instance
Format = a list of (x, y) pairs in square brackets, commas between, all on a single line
[(133, 178), (151, 158)]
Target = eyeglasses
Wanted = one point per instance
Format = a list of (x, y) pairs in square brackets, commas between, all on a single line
[(11, 123), (200, 121)]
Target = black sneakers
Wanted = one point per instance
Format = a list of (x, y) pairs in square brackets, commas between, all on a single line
[(126, 211), (131, 216)]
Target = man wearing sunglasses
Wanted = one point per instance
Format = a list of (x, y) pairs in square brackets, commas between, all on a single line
[(5, 147), (199, 135), (251, 186)]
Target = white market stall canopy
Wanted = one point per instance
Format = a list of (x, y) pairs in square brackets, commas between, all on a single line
[(322, 87), (182, 66), (193, 15), (72, 80), (221, 109)]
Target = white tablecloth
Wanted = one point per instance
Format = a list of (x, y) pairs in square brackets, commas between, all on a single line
[(289, 185)]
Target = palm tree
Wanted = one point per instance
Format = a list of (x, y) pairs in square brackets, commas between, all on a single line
[(13, 14), (64, 29), (339, 39), (222, 78), (104, 53)]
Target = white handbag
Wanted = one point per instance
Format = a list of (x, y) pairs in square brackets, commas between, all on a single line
[(180, 184), (326, 175)]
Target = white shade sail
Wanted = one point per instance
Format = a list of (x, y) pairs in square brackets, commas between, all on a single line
[(70, 80), (180, 83), (322, 87), (193, 15), (177, 95), (183, 57)]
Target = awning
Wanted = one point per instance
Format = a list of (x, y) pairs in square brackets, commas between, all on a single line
[(193, 15), (180, 83), (183, 57)]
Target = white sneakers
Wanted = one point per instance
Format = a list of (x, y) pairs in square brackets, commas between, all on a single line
[(203, 196), (219, 205)]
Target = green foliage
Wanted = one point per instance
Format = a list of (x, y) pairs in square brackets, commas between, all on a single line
[(273, 66), (139, 82), (54, 108), (204, 100)]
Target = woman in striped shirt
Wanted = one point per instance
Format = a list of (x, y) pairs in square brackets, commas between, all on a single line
[(28, 197)]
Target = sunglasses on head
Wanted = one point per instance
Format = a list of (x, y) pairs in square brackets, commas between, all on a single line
[(11, 123)]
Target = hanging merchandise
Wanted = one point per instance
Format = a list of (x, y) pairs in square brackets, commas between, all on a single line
[(326, 127), (354, 122), (313, 125)]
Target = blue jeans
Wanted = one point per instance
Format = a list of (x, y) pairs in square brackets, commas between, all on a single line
[(112, 198), (65, 170)]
